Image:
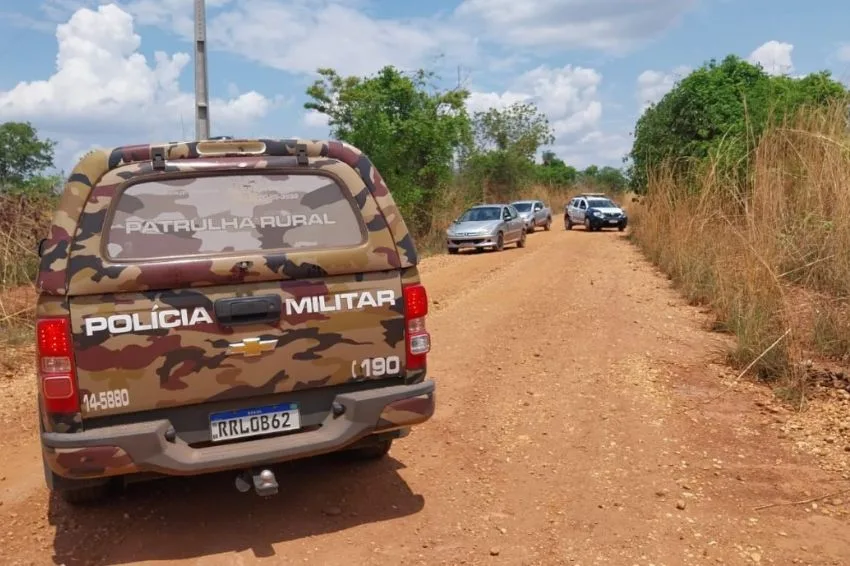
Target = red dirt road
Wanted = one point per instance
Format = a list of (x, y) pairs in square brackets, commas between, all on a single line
[(562, 436)]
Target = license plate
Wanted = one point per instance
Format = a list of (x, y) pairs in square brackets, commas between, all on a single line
[(467, 245), (613, 221), (245, 423)]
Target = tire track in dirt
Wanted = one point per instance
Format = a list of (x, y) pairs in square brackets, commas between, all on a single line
[(559, 438)]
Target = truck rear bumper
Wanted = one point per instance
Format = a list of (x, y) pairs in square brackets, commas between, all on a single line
[(144, 447)]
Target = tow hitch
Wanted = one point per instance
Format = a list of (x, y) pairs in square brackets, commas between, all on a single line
[(263, 481)]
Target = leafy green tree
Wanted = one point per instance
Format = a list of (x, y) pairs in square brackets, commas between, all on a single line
[(611, 179), (23, 155), (520, 128), (720, 110), (413, 135), (554, 172), (591, 172), (506, 141)]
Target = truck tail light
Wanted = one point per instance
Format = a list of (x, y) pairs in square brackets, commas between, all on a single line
[(418, 339), (56, 372)]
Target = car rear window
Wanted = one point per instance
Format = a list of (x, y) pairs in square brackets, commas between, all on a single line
[(229, 214)]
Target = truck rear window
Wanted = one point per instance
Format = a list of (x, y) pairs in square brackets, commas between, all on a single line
[(247, 213)]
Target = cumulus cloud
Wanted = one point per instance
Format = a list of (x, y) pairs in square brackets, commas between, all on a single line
[(774, 57), (298, 37), (314, 119), (653, 85), (103, 84), (594, 148), (104, 92), (568, 96), (614, 25), (483, 101)]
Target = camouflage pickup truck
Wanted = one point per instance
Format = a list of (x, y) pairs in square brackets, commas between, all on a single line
[(225, 305)]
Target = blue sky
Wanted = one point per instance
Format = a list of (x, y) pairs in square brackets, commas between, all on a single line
[(96, 73)]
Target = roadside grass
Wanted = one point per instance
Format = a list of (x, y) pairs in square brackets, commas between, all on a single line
[(24, 220), (771, 259)]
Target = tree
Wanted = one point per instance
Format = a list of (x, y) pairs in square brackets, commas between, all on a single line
[(520, 128), (720, 110), (410, 134), (609, 179), (23, 156), (554, 172), (506, 141)]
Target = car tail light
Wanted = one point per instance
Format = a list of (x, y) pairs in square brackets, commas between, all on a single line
[(56, 372), (418, 339)]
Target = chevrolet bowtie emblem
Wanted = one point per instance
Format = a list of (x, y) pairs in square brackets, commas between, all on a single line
[(250, 347)]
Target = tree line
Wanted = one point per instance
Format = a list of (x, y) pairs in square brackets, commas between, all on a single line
[(426, 143), (716, 115)]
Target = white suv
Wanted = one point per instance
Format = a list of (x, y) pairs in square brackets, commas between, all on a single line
[(596, 211)]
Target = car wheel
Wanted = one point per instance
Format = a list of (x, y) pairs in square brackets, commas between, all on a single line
[(452, 251), (548, 225), (621, 227), (568, 224), (372, 452), (587, 225), (85, 494), (500, 242), (521, 242), (530, 228)]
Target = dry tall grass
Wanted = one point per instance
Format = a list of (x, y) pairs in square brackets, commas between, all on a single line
[(772, 258), (23, 222)]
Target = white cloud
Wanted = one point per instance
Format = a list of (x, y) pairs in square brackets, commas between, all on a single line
[(103, 85), (314, 119), (653, 85), (594, 148), (483, 101), (613, 25), (774, 57), (843, 53), (299, 37), (567, 95)]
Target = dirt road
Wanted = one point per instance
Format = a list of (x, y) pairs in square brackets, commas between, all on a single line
[(562, 436)]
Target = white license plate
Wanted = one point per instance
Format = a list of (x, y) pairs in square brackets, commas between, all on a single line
[(245, 423), (613, 221), (466, 245)]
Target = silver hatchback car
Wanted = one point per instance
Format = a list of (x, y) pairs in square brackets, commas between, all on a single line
[(486, 226)]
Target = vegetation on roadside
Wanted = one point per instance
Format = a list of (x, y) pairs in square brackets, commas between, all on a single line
[(27, 199), (745, 180), (437, 156)]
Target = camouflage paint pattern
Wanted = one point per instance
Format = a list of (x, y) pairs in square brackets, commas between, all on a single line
[(189, 365), (231, 214), (164, 368), (91, 462), (406, 412), (105, 170)]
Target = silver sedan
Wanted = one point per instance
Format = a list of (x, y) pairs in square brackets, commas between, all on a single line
[(486, 226)]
